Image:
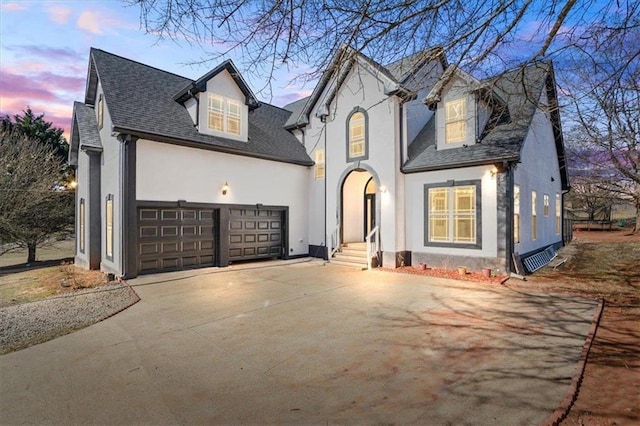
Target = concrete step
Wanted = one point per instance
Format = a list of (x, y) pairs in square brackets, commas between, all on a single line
[(351, 259), (353, 253), (347, 264), (356, 246)]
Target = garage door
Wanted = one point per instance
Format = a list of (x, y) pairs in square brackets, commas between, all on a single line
[(175, 238), (255, 234)]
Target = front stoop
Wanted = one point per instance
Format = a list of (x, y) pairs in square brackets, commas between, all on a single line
[(353, 255)]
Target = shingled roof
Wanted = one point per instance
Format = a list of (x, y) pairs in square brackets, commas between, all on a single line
[(84, 129), (504, 136), (140, 100)]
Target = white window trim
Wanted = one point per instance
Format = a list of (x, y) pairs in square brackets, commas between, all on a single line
[(225, 113), (458, 120)]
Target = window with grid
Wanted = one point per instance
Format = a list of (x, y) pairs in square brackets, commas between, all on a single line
[(534, 215), (109, 227), (558, 214), (356, 135), (545, 205), (452, 214), (455, 121), (216, 113), (516, 213), (233, 117)]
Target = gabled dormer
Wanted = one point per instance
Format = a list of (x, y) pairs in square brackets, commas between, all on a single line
[(219, 103), (463, 106)]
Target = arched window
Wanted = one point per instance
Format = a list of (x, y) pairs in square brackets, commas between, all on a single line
[(357, 135)]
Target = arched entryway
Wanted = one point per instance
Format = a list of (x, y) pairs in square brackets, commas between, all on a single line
[(358, 213)]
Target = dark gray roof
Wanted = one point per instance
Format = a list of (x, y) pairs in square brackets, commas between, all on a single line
[(84, 131), (296, 109), (505, 133), (140, 101), (402, 69)]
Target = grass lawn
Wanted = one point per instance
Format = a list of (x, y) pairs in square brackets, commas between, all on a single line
[(56, 250)]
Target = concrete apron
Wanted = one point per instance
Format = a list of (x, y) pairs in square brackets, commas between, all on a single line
[(306, 343)]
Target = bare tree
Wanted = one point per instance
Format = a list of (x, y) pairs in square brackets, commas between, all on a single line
[(605, 97), (488, 35), (33, 205)]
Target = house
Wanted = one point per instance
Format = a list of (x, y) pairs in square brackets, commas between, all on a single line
[(420, 159)]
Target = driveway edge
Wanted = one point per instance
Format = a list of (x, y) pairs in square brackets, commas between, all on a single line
[(572, 395)]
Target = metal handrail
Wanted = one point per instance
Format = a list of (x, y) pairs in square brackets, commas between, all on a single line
[(372, 246), (335, 241)]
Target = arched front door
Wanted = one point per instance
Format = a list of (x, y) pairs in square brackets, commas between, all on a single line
[(358, 215)]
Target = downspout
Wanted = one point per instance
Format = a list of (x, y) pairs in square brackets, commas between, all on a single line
[(123, 230), (326, 247)]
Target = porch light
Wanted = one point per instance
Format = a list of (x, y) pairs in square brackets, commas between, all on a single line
[(493, 171), (225, 188)]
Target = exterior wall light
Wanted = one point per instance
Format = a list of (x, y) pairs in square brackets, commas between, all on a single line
[(493, 171), (225, 188)]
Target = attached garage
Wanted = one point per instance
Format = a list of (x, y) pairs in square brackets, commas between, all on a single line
[(255, 233), (175, 238)]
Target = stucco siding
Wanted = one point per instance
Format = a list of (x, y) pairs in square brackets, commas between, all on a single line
[(538, 171), (415, 211), (110, 183), (166, 172)]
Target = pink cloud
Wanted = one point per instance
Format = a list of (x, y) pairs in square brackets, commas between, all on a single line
[(90, 21), (18, 86), (13, 7), (50, 53), (59, 14), (287, 98)]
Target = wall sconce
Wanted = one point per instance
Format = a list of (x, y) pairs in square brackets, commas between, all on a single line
[(493, 171), (225, 188), (383, 189)]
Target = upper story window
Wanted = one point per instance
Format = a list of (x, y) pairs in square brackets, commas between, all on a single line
[(100, 112), (224, 114), (455, 121), (319, 157), (357, 135)]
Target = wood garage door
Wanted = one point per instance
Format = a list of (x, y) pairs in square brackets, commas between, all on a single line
[(255, 234), (175, 238)]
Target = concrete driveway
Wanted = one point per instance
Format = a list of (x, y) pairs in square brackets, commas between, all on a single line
[(306, 344)]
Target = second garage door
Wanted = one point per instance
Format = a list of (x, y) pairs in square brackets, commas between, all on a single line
[(255, 234)]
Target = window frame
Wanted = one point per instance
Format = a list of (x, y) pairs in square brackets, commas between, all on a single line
[(534, 215), (82, 225), (450, 186), (365, 154), (457, 121), (320, 170), (545, 205), (224, 114), (109, 220), (100, 112), (516, 214), (558, 214)]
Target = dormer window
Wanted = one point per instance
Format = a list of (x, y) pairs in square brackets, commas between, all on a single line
[(224, 115), (455, 119)]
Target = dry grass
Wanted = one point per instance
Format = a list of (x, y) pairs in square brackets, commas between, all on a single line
[(37, 284), (56, 250)]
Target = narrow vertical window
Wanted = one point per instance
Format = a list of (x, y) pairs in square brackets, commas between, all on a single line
[(109, 227), (439, 214), (356, 134), (216, 113), (319, 156), (516, 213), (100, 112), (545, 205), (534, 215), (558, 214), (455, 119), (81, 226), (233, 117)]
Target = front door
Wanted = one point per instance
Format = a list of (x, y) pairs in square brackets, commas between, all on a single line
[(369, 213)]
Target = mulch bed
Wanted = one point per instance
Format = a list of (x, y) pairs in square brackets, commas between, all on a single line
[(448, 273)]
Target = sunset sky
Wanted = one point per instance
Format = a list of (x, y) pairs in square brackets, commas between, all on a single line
[(44, 53)]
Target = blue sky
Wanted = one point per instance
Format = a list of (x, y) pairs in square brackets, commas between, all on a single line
[(44, 52)]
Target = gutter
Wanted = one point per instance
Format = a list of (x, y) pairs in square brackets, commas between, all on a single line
[(449, 166)]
